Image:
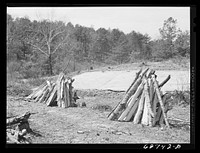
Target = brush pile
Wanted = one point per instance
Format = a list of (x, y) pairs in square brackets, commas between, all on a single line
[(55, 93), (143, 102), (17, 129)]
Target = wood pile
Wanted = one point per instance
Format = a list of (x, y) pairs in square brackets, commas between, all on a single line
[(55, 93), (17, 128), (143, 102)]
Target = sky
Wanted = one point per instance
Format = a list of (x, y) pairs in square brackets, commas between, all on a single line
[(146, 20)]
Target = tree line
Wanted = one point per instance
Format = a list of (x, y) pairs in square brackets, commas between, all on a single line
[(41, 48)]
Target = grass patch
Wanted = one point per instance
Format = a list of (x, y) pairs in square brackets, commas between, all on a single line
[(102, 107), (18, 89)]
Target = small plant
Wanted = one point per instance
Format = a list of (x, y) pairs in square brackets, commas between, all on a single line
[(181, 97)]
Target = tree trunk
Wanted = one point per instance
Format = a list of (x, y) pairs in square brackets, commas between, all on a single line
[(74, 67), (50, 65)]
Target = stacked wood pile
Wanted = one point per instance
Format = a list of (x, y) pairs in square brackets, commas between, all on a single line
[(55, 93), (143, 103), (17, 128)]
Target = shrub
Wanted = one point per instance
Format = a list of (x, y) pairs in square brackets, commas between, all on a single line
[(181, 97), (36, 81), (31, 70)]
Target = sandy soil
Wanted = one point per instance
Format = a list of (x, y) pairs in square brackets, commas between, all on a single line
[(121, 80)]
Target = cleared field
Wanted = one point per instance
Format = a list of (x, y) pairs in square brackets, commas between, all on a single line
[(121, 80), (90, 125)]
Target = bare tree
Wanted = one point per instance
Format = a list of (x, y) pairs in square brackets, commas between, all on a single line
[(47, 37)]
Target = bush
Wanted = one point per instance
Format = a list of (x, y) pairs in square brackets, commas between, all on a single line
[(14, 70), (180, 97), (31, 70)]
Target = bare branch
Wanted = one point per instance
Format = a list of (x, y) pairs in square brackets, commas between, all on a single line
[(56, 35), (39, 49), (55, 29), (61, 43)]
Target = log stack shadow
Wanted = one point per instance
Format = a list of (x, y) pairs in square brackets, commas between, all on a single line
[(58, 93), (144, 103)]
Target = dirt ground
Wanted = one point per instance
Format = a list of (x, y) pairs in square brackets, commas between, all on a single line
[(89, 125)]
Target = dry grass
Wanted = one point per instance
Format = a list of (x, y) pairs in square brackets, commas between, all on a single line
[(102, 107)]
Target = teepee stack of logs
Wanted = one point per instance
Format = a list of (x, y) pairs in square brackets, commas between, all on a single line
[(54, 93), (143, 102)]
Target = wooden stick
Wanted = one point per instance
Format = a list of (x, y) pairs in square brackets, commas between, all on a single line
[(59, 82), (132, 102), (145, 118), (36, 90), (115, 113), (22, 118), (49, 93), (41, 93), (151, 92), (154, 106), (150, 113), (52, 96), (165, 81), (44, 95), (67, 94), (139, 112), (166, 104), (147, 98), (150, 73), (131, 113), (136, 77), (160, 100)]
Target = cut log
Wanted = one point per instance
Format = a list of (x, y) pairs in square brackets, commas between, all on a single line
[(41, 93), (50, 92), (147, 98), (132, 102), (59, 83), (36, 90), (52, 96), (147, 101), (166, 105), (68, 93), (21, 118), (41, 100), (145, 118), (132, 112), (62, 93), (139, 112), (154, 107), (115, 113), (165, 81), (150, 73), (122, 104), (151, 92), (38, 93), (136, 77), (160, 100)]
